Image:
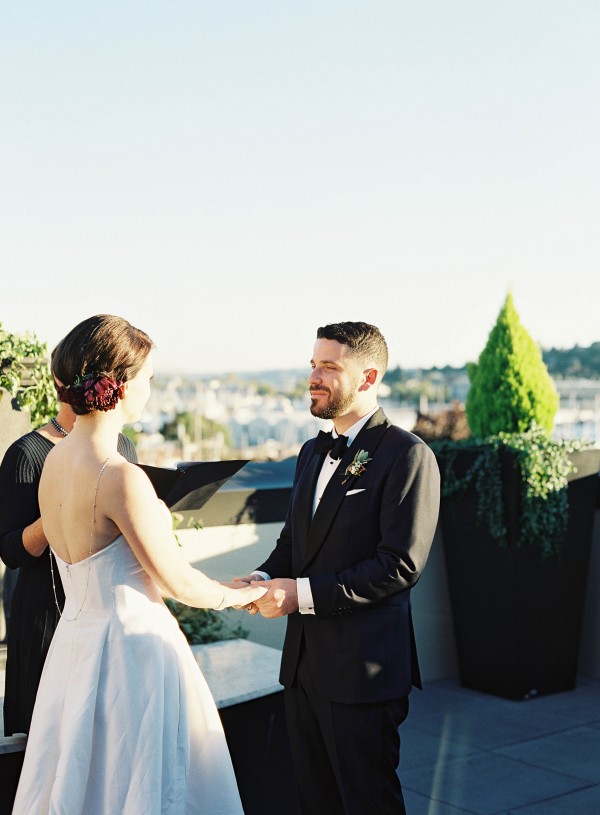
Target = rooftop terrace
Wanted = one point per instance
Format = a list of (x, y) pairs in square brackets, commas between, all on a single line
[(466, 753), (463, 752)]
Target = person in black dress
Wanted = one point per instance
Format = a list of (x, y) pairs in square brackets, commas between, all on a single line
[(37, 599)]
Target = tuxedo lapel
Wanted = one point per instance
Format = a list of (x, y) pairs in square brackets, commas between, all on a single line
[(368, 439)]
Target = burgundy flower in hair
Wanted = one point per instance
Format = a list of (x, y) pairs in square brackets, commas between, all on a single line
[(93, 392)]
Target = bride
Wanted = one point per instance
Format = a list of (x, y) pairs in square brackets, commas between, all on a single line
[(124, 721)]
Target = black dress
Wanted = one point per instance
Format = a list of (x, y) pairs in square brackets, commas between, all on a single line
[(34, 612)]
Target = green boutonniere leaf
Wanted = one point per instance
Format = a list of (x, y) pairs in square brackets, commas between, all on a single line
[(357, 465)]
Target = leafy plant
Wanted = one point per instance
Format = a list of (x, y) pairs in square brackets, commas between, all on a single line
[(25, 375), (544, 467), (202, 625), (510, 410), (511, 389)]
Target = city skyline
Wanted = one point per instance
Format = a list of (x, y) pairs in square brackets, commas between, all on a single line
[(230, 176)]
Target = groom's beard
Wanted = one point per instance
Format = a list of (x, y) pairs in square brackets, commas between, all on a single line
[(333, 406)]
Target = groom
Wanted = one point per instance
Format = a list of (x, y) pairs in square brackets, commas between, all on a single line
[(360, 523)]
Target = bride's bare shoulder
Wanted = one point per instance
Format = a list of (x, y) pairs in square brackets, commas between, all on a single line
[(130, 498), (130, 477)]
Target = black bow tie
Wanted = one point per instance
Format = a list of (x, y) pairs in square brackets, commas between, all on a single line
[(325, 443)]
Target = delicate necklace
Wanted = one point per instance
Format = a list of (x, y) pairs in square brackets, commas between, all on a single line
[(89, 558), (58, 427)]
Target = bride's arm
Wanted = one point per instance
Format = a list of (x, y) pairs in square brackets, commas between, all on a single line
[(133, 506)]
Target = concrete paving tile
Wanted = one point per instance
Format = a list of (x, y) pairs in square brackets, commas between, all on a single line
[(420, 805), (488, 784), (482, 721), (421, 749), (582, 802), (574, 752)]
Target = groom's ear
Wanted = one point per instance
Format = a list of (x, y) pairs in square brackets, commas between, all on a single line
[(371, 376), (370, 379)]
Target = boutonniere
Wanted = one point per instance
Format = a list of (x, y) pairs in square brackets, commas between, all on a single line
[(358, 465)]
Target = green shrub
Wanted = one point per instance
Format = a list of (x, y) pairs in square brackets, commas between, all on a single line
[(202, 625), (25, 374), (510, 410), (511, 390)]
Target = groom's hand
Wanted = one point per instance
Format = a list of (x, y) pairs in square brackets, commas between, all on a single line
[(281, 598), (248, 578)]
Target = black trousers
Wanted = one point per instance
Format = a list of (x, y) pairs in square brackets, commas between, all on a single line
[(345, 757)]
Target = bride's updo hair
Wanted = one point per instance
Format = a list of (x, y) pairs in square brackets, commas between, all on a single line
[(95, 359)]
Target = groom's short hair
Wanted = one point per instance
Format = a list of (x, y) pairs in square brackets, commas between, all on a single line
[(365, 341)]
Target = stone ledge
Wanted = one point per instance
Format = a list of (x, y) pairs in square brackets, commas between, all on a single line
[(12, 744), (236, 671)]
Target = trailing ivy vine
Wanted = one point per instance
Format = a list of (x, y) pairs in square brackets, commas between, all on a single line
[(544, 467)]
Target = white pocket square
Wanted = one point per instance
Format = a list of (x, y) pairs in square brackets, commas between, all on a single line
[(353, 492)]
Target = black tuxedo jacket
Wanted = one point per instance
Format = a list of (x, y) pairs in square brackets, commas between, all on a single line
[(363, 551)]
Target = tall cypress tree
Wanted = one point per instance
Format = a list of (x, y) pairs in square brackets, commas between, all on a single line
[(511, 388)]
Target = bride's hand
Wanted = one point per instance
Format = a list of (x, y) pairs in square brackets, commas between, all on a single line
[(244, 596)]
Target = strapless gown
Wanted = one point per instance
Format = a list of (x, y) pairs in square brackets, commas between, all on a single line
[(124, 722)]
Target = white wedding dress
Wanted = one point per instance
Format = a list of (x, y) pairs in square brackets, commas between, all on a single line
[(124, 722)]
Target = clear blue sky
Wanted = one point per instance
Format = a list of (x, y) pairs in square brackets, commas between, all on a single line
[(231, 174)]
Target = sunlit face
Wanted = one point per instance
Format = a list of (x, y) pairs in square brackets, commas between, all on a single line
[(335, 379), (138, 390)]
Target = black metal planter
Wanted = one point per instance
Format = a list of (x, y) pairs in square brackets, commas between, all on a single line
[(517, 615)]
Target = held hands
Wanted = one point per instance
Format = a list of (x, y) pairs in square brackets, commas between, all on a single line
[(240, 595), (251, 608), (280, 599)]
